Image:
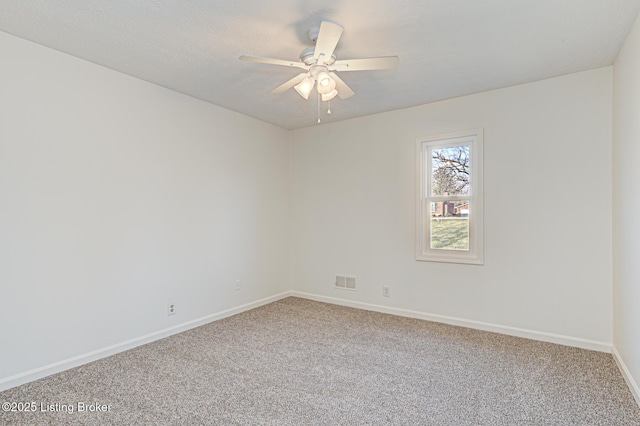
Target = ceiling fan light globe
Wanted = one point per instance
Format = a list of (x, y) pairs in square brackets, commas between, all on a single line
[(330, 95), (324, 79), (325, 83), (304, 87)]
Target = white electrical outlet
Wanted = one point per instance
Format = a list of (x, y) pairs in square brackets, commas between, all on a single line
[(171, 309), (386, 291), (236, 285)]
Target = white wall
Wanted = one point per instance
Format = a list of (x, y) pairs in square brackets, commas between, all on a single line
[(626, 205), (547, 186), (118, 196)]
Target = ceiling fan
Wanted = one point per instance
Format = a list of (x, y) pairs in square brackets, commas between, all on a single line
[(320, 65)]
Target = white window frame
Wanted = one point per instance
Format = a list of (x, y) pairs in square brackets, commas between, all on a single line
[(474, 255)]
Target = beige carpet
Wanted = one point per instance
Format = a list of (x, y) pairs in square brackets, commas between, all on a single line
[(298, 362)]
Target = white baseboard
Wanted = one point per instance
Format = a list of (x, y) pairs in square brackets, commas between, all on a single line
[(478, 325), (633, 386), (56, 367)]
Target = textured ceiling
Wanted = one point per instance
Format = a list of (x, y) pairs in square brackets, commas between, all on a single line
[(447, 48)]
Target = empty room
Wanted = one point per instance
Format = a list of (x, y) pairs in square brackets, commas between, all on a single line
[(420, 212)]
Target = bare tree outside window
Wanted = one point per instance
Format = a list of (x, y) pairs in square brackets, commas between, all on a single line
[(451, 169)]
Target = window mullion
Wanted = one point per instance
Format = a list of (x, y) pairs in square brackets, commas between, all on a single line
[(449, 198)]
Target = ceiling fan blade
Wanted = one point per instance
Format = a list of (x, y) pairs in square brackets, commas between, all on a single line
[(263, 60), (289, 84), (381, 63), (344, 91), (328, 38)]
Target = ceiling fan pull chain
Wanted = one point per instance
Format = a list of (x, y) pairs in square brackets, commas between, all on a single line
[(329, 108), (318, 107)]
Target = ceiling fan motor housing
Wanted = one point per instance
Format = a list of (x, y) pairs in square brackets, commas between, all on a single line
[(307, 57)]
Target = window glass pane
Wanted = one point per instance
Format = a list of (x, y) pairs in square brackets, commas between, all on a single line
[(449, 225), (450, 171)]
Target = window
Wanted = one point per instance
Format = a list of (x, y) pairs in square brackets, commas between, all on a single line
[(449, 201)]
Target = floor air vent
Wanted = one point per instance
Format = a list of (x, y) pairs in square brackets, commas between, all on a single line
[(346, 282)]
